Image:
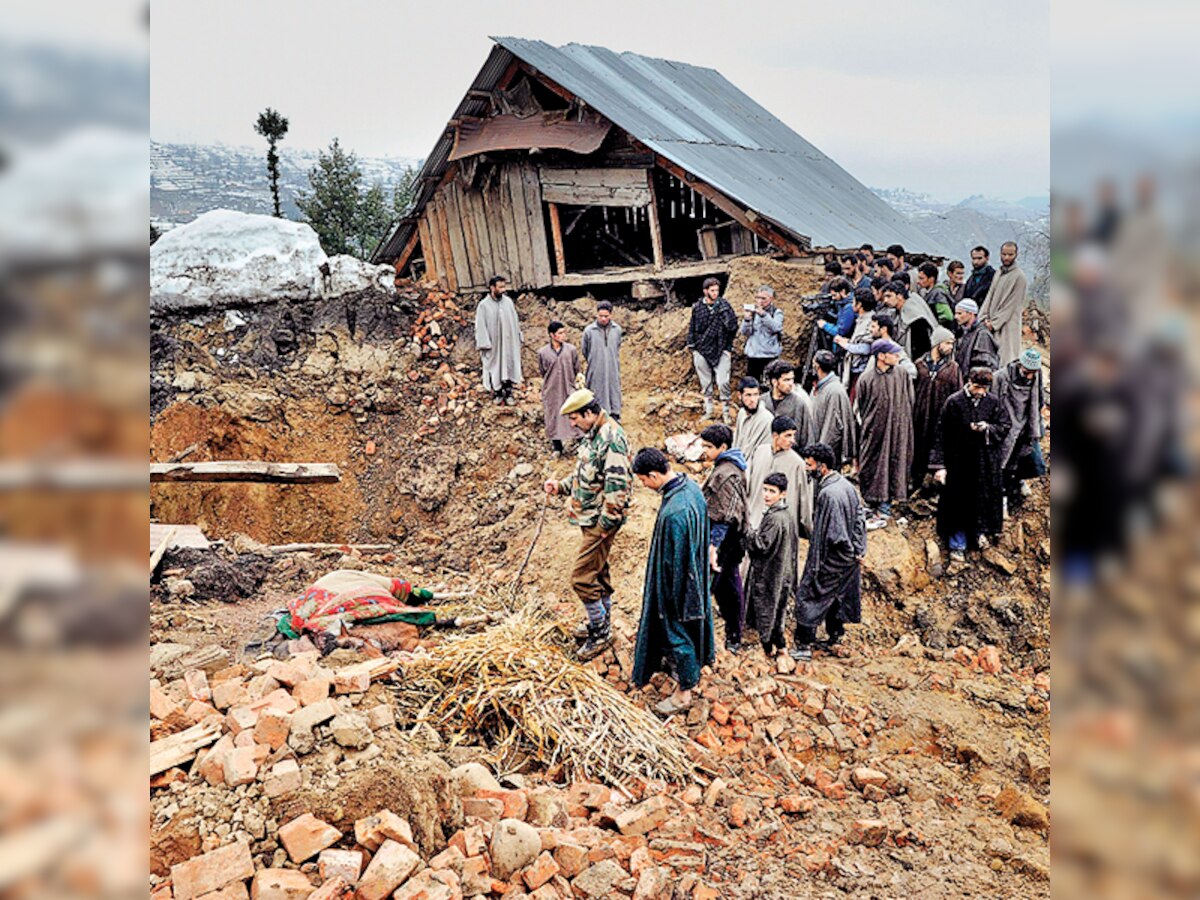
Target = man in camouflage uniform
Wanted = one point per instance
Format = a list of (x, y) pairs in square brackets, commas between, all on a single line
[(600, 491)]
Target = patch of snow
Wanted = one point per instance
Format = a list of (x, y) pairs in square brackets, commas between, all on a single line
[(348, 274), (225, 257)]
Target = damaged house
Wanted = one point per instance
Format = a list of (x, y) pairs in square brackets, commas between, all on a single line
[(576, 166)]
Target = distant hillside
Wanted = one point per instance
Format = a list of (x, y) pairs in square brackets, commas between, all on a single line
[(189, 179)]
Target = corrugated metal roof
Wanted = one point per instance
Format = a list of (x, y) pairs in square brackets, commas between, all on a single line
[(696, 118)]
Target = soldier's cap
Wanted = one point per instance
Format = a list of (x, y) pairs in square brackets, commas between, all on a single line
[(577, 401)]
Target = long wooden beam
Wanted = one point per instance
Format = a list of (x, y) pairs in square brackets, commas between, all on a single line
[(245, 470), (560, 257), (409, 247), (655, 231), (745, 218)]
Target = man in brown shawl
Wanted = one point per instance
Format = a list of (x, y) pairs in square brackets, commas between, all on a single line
[(1005, 302), (831, 410), (938, 376), (559, 365), (725, 495), (752, 427), (779, 456), (884, 402), (786, 398)]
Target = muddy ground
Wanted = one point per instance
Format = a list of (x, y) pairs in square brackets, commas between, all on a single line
[(453, 483)]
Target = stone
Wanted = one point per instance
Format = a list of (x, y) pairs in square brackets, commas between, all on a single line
[(571, 858), (547, 808), (389, 868), (1034, 768), (235, 890), (476, 880), (515, 844), (241, 718), (429, 884), (868, 832), (197, 684), (933, 558), (280, 884), (890, 560), (1000, 561), (351, 729), (212, 764), (333, 889), (212, 871), (381, 716), (232, 692), (240, 766), (272, 728), (344, 864), (488, 810), (1022, 810), (645, 816), (598, 880), (470, 778), (276, 699), (284, 778), (540, 871), (654, 883), (311, 691), (384, 825), (989, 660), (305, 836), (794, 804), (864, 776)]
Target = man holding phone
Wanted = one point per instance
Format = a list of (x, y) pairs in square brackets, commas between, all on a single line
[(762, 324)]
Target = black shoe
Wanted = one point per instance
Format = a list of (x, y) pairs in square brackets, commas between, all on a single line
[(599, 640), (734, 647)]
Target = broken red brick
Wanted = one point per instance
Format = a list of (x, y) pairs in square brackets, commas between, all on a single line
[(305, 836)]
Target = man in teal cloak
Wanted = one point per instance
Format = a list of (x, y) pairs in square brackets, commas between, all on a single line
[(675, 634)]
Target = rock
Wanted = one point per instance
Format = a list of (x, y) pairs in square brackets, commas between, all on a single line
[(284, 778), (280, 884), (868, 832), (989, 660), (864, 776), (520, 470), (212, 871), (891, 562), (794, 804), (351, 729), (933, 558), (999, 561), (344, 864), (1034, 768), (1022, 810), (305, 836), (470, 778), (653, 883), (571, 858), (599, 880), (389, 868), (515, 844), (540, 871), (431, 884), (547, 808), (644, 817), (384, 825)]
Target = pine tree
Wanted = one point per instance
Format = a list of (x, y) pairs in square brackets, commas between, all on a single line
[(405, 192), (273, 127), (332, 206)]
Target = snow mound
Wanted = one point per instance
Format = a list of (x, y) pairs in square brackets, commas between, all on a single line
[(226, 257), (349, 275)]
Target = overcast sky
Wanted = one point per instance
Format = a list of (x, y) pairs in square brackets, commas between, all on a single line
[(948, 98)]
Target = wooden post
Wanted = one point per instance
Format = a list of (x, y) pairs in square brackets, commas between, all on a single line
[(560, 259), (655, 234)]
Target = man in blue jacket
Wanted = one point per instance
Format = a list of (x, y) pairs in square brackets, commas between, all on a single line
[(763, 327)]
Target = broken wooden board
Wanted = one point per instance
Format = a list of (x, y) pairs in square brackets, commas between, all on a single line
[(245, 470), (186, 536), (182, 747)]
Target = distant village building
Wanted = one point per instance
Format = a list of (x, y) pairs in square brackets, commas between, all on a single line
[(572, 166)]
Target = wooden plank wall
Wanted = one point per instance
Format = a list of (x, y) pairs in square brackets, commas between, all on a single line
[(469, 235), (595, 187)]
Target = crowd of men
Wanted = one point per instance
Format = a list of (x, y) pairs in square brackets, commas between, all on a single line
[(924, 393)]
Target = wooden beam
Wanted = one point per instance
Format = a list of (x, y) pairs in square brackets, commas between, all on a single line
[(560, 258), (181, 747), (409, 246), (747, 219), (620, 274), (157, 555), (245, 470), (655, 231), (546, 82)]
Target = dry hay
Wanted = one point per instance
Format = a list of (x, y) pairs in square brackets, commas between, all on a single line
[(514, 688)]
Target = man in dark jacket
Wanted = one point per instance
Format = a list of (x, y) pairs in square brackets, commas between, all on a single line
[(966, 459), (725, 493), (830, 590), (982, 274), (976, 347), (710, 338)]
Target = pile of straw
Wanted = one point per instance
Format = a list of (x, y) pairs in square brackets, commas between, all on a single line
[(513, 688)]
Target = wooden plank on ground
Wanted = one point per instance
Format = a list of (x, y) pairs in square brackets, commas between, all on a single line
[(189, 536), (536, 220), (245, 470), (157, 555), (182, 747)]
